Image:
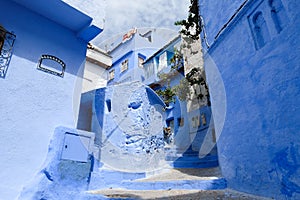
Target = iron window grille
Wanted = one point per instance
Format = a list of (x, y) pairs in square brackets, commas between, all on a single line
[(7, 40), (48, 64)]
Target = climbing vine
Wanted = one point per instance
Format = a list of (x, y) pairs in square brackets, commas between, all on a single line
[(191, 26), (194, 84)]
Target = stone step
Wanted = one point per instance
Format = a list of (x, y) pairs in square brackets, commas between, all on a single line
[(200, 179), (212, 183), (193, 161), (194, 164), (191, 157), (173, 194), (209, 183)]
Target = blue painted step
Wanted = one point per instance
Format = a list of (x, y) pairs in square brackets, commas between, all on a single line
[(102, 182), (213, 184), (190, 159), (194, 164)]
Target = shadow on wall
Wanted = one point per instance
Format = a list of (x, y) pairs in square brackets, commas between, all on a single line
[(42, 37)]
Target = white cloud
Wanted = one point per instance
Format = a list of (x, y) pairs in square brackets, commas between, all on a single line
[(124, 15)]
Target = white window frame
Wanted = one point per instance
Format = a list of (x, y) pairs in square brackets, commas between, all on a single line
[(111, 74), (124, 66)]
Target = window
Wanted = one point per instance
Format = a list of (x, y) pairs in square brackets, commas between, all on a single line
[(124, 65), (2, 37), (52, 65), (140, 62), (7, 40), (278, 14), (203, 120), (260, 30), (195, 121), (111, 75), (170, 124), (180, 121), (163, 62)]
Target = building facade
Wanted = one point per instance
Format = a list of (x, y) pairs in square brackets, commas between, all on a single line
[(255, 46), (188, 117), (130, 53), (95, 70), (43, 49)]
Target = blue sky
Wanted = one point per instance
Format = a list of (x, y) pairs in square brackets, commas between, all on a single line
[(124, 15)]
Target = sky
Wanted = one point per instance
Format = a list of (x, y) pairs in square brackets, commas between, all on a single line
[(122, 16)]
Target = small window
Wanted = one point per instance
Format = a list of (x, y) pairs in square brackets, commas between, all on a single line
[(124, 65), (2, 37), (162, 62), (170, 123), (278, 14), (52, 65), (111, 75), (195, 122), (260, 30), (203, 120), (141, 61), (7, 40), (180, 121), (108, 105)]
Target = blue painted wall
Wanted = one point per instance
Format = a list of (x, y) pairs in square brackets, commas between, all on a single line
[(33, 102), (259, 145), (198, 138), (132, 49), (130, 127), (216, 14)]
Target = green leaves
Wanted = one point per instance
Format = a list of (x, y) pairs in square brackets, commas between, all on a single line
[(168, 95), (191, 27)]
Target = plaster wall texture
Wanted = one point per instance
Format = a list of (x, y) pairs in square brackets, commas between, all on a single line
[(216, 14), (94, 77), (33, 102), (66, 171), (259, 145), (132, 127), (182, 139)]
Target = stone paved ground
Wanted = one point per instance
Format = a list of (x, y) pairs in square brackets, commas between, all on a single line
[(177, 194), (178, 174), (184, 174)]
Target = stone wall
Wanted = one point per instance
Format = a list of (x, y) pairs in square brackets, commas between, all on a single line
[(259, 144), (130, 127)]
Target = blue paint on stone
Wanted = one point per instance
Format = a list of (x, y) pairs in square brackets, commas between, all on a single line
[(135, 105), (64, 176), (259, 143), (216, 184), (131, 127), (47, 175), (286, 164), (154, 99)]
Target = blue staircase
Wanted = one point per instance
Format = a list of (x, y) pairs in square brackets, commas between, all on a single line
[(190, 159)]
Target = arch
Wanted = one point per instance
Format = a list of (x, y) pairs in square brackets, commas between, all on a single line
[(278, 14), (261, 31)]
